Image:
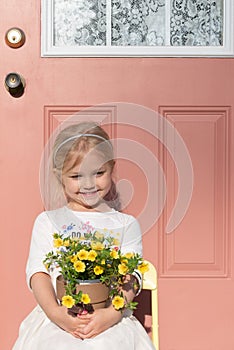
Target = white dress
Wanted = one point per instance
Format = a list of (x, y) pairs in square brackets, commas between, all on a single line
[(37, 332)]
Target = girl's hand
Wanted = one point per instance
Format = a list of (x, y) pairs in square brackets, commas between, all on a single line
[(67, 322), (45, 295), (97, 322)]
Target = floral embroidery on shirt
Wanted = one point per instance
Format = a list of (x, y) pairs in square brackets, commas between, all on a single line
[(66, 228), (85, 230)]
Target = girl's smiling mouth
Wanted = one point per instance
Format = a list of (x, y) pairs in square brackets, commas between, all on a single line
[(89, 194)]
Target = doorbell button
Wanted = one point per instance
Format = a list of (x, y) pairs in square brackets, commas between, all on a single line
[(15, 38)]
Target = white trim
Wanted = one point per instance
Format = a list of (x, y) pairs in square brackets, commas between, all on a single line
[(49, 50), (47, 15)]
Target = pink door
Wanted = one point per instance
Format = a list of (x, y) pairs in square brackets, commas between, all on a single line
[(195, 261)]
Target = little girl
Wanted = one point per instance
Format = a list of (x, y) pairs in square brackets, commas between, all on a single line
[(82, 161)]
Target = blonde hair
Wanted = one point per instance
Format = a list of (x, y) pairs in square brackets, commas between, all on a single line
[(74, 142)]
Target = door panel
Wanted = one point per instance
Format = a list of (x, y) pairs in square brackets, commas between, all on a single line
[(201, 249), (195, 262)]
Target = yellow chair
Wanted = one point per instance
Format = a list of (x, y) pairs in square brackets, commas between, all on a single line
[(150, 283)]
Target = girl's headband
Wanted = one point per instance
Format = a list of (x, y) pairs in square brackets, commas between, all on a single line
[(77, 137)]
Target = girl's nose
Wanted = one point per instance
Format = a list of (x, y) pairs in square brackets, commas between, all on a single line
[(88, 183)]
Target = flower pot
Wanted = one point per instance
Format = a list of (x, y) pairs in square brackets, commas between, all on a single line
[(97, 291)]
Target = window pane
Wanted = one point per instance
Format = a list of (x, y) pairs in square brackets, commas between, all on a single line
[(196, 23), (138, 23), (79, 22)]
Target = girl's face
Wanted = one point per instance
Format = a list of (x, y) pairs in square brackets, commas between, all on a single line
[(86, 184)]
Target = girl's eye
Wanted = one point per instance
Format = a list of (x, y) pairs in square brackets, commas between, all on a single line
[(77, 176), (100, 173)]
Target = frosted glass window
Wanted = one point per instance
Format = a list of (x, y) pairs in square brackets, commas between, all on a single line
[(138, 23), (196, 23), (137, 27), (79, 22)]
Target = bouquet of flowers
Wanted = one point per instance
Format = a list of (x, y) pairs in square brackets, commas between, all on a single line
[(92, 256)]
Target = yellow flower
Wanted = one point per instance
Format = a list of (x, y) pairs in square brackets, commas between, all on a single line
[(144, 267), (92, 255), (123, 269), (85, 299), (124, 261), (97, 246), (66, 243), (98, 235), (116, 242), (114, 254), (129, 255), (118, 302), (79, 266), (58, 242), (96, 255), (98, 270), (82, 254), (82, 238), (68, 301), (74, 258)]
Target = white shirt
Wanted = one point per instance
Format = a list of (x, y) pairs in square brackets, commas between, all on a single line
[(71, 223)]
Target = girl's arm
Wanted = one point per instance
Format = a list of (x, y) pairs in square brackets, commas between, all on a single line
[(103, 319), (45, 295), (39, 280)]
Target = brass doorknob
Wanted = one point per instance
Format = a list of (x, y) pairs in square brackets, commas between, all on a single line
[(15, 84), (15, 38)]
